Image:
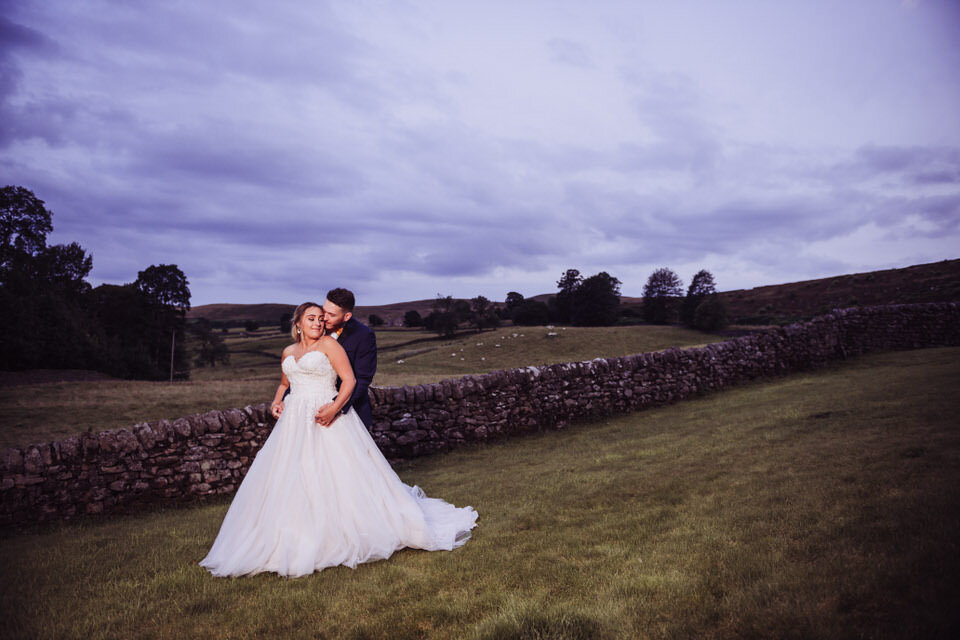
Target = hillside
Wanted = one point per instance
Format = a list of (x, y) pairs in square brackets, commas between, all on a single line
[(265, 314), (268, 314), (932, 282)]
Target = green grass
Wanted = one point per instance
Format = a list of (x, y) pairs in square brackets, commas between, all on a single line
[(819, 505), (524, 346), (43, 412)]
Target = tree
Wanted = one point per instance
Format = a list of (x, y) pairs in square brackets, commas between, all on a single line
[(443, 303), (43, 328), (552, 308), (597, 301), (250, 326), (26, 262), (445, 323), (513, 301), (711, 314), (659, 295), (567, 285), (166, 285), (53, 318), (65, 266), (210, 347), (285, 322), (531, 313), (412, 319), (701, 286), (45, 321), (126, 337), (375, 320), (482, 314), (444, 318), (463, 310), (24, 225), (25, 259)]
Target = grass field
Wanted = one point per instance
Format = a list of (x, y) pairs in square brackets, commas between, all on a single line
[(42, 412), (819, 505)]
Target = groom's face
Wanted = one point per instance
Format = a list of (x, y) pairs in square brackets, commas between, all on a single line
[(334, 316)]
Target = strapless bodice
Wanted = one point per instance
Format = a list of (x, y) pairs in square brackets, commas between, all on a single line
[(311, 376)]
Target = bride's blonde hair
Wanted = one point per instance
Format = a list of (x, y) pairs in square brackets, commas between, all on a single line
[(298, 316)]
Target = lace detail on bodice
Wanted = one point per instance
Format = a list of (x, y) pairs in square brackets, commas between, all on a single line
[(312, 375)]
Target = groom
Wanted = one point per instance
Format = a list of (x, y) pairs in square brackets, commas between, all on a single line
[(358, 340)]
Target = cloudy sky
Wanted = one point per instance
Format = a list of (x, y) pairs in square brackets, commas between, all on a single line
[(404, 149)]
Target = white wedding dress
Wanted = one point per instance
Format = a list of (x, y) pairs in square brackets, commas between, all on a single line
[(317, 497)]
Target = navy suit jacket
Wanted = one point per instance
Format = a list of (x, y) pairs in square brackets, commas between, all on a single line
[(360, 343)]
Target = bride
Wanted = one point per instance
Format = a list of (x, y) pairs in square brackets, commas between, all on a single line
[(320, 496)]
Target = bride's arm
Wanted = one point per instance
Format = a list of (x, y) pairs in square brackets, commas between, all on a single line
[(276, 407), (341, 364)]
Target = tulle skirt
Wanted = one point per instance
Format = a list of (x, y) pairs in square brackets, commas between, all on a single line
[(317, 497)]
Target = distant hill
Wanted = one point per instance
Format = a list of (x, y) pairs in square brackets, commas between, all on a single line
[(264, 314), (932, 282), (269, 314)]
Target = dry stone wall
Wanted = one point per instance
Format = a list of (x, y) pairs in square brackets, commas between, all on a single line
[(208, 454)]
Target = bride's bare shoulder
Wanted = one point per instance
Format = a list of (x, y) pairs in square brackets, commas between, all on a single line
[(289, 350), (329, 342)]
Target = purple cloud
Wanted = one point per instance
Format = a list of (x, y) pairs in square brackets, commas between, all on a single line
[(447, 148)]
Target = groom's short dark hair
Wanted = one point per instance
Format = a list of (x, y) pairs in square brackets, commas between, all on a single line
[(343, 298)]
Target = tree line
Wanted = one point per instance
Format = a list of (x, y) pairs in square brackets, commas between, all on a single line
[(585, 301), (54, 319)]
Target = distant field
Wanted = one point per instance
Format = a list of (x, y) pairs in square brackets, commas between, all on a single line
[(818, 505), (48, 411), (525, 346)]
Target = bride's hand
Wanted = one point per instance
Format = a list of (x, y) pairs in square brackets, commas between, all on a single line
[(326, 415), (276, 408)]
